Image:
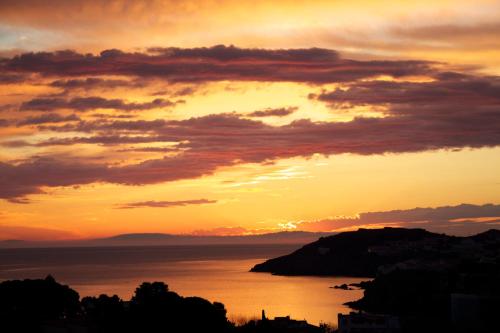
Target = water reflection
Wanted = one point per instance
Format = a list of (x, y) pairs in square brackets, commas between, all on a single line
[(217, 277)]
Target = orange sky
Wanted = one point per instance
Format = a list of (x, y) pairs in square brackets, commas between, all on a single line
[(310, 112)]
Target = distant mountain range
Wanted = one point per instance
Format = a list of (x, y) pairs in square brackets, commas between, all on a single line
[(158, 239)]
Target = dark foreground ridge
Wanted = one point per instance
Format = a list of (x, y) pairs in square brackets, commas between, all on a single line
[(364, 252), (423, 282), (43, 305)]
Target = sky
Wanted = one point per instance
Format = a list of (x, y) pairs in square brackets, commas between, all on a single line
[(225, 117)]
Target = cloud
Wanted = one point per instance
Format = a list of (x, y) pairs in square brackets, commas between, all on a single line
[(456, 38), (47, 118), (99, 139), (15, 143), (434, 214), (217, 63), (137, 126), (453, 111), (10, 232), (210, 142), (6, 78), (95, 83), (111, 116), (150, 150), (278, 112), (26, 178), (165, 204), (448, 89), (421, 128), (460, 220), (31, 176), (82, 104), (222, 231), (482, 34)]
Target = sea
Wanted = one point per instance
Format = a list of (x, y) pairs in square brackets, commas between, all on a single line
[(216, 272)]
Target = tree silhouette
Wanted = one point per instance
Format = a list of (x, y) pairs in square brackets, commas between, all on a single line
[(154, 308), (25, 304), (104, 313)]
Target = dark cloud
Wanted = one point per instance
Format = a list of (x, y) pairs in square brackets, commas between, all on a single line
[(110, 125), (214, 141), (460, 220), (21, 201), (448, 88), (481, 33), (150, 150), (95, 83), (15, 144), (214, 64), (463, 211), (112, 116), (452, 112), (165, 204), (47, 118), (407, 130), (186, 91), (278, 112), (82, 104), (6, 78), (30, 177), (232, 53), (99, 139)]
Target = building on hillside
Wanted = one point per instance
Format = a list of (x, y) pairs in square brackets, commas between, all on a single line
[(286, 324), (358, 322)]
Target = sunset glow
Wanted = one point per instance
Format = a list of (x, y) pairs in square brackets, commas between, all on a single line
[(222, 117)]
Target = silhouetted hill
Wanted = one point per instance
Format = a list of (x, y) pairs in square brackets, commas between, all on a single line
[(354, 253), (366, 251), (430, 282), (489, 235)]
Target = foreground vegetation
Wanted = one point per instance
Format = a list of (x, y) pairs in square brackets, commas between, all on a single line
[(44, 305)]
